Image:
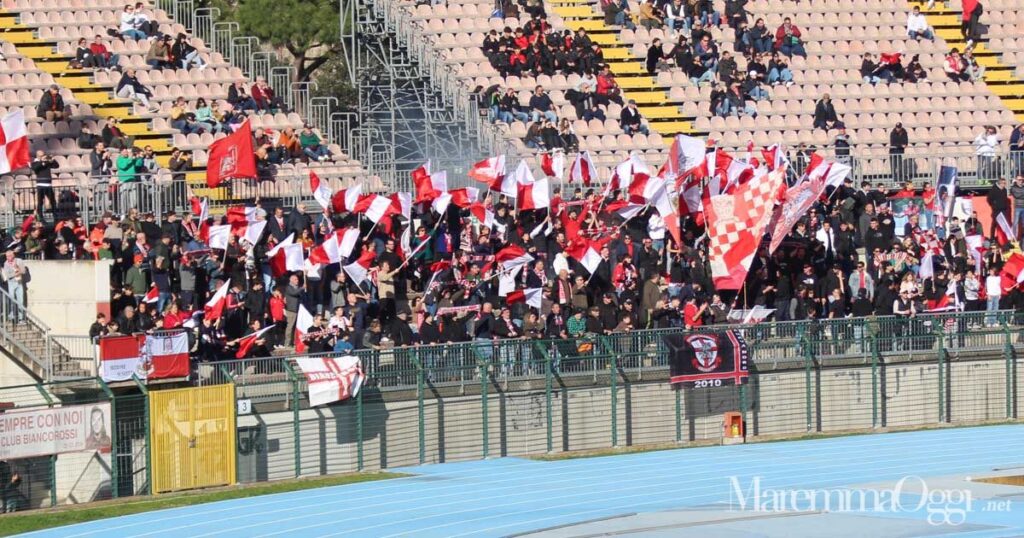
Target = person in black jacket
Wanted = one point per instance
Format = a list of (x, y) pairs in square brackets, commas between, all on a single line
[(42, 167), (631, 121), (654, 55), (898, 142), (825, 116), (184, 53), (999, 200), (401, 333), (430, 332), (51, 105), (129, 87)]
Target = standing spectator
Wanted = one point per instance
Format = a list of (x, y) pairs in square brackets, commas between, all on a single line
[(100, 163), (898, 142), (129, 164), (183, 52), (986, 145), (51, 104), (971, 25), (1017, 149), (825, 116), (787, 39), (1017, 194), (15, 277), (43, 167), (631, 120), (735, 12), (917, 26), (993, 292), (130, 87), (180, 162), (999, 201), (292, 298)]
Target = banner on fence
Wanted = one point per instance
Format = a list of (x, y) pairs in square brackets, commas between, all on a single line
[(56, 430), (708, 359), (331, 379), (158, 356)]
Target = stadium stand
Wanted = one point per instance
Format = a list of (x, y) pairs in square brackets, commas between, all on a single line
[(39, 41)]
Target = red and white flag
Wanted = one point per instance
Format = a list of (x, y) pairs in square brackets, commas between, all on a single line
[(303, 321), (428, 187), (247, 342), (583, 169), (331, 379), (482, 214), (464, 197), (512, 256), (799, 200), (534, 195), (588, 252), (121, 358), (686, 157), (152, 296), (553, 163), (285, 259), (231, 157), (347, 240), (374, 206), (490, 171), (1012, 275), (401, 203), (241, 214), (530, 296), (359, 269), (218, 236), (521, 176), (14, 141), (167, 354), (774, 156), (735, 225), (321, 192), (214, 308), (346, 199), (630, 170), (251, 232), (1004, 232)]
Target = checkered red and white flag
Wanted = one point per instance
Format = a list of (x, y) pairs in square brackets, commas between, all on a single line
[(736, 223), (331, 379)]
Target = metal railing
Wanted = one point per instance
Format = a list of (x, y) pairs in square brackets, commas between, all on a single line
[(30, 341)]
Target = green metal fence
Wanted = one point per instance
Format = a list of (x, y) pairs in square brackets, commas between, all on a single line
[(73, 477)]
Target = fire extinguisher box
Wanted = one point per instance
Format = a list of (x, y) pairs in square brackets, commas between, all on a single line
[(733, 428)]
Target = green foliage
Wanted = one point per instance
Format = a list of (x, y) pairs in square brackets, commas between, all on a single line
[(332, 81)]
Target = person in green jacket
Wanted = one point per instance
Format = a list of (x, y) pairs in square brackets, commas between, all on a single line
[(311, 145), (128, 165), (135, 278)]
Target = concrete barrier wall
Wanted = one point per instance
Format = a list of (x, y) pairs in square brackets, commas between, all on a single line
[(66, 295), (646, 414)]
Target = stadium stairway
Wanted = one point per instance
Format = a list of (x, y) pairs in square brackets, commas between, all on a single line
[(81, 83), (999, 77), (664, 116)]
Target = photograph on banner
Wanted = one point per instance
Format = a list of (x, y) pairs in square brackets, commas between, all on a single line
[(903, 209), (55, 430), (331, 379)]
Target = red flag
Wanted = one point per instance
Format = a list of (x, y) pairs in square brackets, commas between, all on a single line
[(303, 321), (14, 144), (535, 195), (464, 197), (246, 343), (1012, 274), (26, 224), (231, 157), (152, 296), (345, 199), (359, 269), (553, 164), (321, 192), (214, 308), (429, 186), (489, 171), (1004, 232), (583, 169)]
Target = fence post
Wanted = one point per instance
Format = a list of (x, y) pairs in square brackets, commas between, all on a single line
[(613, 375), (359, 430), (874, 380), (295, 418), (807, 379), (483, 367), (942, 376), (1011, 379), (149, 433), (420, 411), (53, 457), (679, 412), (547, 392), (113, 437)]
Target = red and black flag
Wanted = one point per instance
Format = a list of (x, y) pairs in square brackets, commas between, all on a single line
[(710, 359)]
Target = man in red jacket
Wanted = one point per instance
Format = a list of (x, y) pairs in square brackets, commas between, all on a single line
[(607, 89), (266, 99), (787, 39)]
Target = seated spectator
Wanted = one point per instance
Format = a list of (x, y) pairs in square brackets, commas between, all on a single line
[(760, 37), (872, 72), (698, 72), (586, 103), (288, 147), (736, 13), (734, 103), (570, 141), (83, 55), (534, 137), (650, 16), (917, 25), (705, 50), (205, 117), (955, 67), (509, 108), (751, 86), (704, 11), (825, 116), (728, 70), (787, 39), (676, 18), (915, 72), (239, 99), (87, 140), (655, 54), (311, 145), (183, 120), (130, 87), (975, 71), (265, 98), (159, 55), (51, 105), (185, 54), (129, 23), (631, 120), (114, 137), (608, 90), (143, 23), (103, 58), (541, 105)]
